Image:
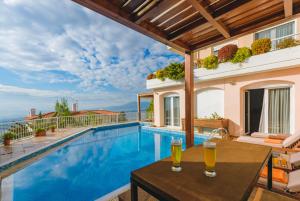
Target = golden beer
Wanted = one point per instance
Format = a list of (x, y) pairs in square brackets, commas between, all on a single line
[(176, 149), (209, 155)]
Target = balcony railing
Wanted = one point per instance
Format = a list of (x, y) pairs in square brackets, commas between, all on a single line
[(276, 41), (26, 129)]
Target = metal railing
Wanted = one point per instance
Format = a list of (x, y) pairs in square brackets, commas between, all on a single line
[(275, 42), (26, 129)]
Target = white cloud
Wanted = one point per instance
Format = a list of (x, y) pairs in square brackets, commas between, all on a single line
[(53, 39), (41, 41), (31, 92)]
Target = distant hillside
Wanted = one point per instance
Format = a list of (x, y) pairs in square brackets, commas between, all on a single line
[(132, 106)]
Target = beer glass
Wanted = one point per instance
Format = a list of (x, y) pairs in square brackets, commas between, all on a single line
[(209, 155), (176, 149)]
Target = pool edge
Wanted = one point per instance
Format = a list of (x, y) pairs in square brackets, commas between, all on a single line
[(6, 165)]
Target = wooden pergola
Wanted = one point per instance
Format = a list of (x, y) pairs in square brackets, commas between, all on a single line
[(188, 25)]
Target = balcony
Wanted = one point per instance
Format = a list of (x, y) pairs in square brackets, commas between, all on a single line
[(275, 60)]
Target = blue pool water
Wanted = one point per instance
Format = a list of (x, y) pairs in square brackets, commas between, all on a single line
[(95, 164)]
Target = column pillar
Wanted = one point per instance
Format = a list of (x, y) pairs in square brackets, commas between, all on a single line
[(189, 99), (139, 107)]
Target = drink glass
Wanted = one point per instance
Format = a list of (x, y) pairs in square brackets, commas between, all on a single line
[(209, 155), (176, 149)]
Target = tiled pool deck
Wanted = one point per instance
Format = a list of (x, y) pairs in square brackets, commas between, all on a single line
[(21, 148)]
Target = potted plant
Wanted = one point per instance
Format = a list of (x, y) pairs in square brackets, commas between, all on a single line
[(40, 132), (7, 137), (52, 128)]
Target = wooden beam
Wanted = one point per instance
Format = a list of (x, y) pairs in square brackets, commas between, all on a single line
[(106, 8), (217, 24), (288, 7), (268, 21), (219, 14), (189, 99), (149, 12)]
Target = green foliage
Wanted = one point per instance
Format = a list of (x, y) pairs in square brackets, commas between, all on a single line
[(261, 46), (8, 136), (61, 108), (174, 71), (215, 116), (150, 110), (40, 115), (199, 63), (286, 43), (160, 74), (241, 55), (227, 52), (122, 117), (210, 62)]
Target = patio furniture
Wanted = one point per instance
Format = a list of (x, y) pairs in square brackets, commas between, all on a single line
[(208, 123), (292, 185), (289, 143), (238, 168)]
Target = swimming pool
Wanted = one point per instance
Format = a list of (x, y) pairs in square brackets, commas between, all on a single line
[(93, 165)]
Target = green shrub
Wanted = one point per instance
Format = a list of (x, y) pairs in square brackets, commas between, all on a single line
[(210, 62), (199, 63), (8, 136), (261, 46), (286, 43), (241, 55), (227, 52), (174, 71), (160, 74)]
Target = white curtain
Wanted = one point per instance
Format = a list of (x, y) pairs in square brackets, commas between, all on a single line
[(279, 111)]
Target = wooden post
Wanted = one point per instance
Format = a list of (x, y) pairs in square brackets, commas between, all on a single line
[(189, 99), (139, 107)]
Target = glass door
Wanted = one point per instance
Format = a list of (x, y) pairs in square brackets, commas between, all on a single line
[(172, 111), (167, 112), (176, 111)]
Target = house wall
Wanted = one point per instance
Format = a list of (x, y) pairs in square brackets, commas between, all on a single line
[(243, 41), (234, 89)]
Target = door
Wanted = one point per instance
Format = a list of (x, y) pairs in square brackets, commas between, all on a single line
[(172, 111), (253, 110)]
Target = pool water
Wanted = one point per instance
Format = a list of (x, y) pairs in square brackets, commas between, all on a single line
[(95, 164)]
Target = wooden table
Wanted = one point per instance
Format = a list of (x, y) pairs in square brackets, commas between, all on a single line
[(238, 168)]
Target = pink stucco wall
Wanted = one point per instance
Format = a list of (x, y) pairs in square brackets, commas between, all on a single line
[(234, 95)]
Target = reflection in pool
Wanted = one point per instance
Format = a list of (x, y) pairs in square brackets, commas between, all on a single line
[(90, 167)]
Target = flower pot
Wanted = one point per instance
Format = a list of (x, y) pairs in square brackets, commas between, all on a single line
[(40, 133), (52, 130), (7, 142)]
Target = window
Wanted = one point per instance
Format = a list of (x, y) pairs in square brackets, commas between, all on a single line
[(276, 34)]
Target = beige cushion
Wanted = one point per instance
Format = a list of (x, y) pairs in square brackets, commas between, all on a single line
[(294, 181), (291, 140), (254, 140), (295, 159)]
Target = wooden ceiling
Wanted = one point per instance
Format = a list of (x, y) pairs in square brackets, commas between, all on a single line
[(187, 25)]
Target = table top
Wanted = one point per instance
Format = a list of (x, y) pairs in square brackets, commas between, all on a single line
[(238, 167)]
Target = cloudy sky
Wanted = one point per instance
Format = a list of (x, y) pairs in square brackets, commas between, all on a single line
[(56, 48)]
